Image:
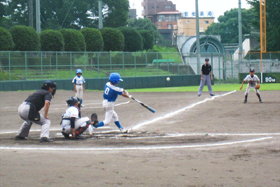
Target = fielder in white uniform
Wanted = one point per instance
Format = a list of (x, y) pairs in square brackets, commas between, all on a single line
[(71, 122), (111, 92), (253, 80), (79, 85), (29, 112)]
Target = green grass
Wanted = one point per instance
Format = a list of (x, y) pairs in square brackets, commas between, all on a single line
[(216, 88)]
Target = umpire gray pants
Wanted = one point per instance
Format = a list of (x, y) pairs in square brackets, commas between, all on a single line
[(23, 111), (206, 79)]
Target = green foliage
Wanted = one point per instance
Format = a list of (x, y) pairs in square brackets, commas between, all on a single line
[(51, 41), (227, 27), (132, 39), (74, 40), (148, 39), (113, 39), (25, 38), (5, 76), (116, 13), (272, 22), (6, 40), (93, 38)]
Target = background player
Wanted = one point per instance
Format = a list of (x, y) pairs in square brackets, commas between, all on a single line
[(111, 92), (72, 123), (206, 72), (29, 112), (252, 80), (79, 85)]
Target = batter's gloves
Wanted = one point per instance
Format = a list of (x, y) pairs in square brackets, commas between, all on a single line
[(94, 120)]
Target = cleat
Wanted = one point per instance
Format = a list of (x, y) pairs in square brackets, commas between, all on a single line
[(66, 136), (79, 137), (83, 105), (245, 101), (90, 129), (261, 101), (45, 139), (123, 130), (20, 138), (199, 95), (212, 95)]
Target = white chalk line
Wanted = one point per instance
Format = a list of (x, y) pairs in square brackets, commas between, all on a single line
[(134, 148), (180, 110)]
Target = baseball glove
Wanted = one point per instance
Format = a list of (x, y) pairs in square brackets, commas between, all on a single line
[(257, 87), (94, 120)]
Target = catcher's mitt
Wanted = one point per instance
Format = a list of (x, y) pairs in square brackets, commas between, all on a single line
[(257, 87), (94, 120)]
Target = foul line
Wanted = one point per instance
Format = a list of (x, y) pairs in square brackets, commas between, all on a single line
[(135, 148), (180, 110)]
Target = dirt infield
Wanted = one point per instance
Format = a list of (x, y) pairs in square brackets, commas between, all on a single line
[(189, 141)]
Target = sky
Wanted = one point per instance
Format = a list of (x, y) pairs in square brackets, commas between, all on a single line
[(218, 7)]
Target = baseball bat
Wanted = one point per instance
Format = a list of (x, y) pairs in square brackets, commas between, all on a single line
[(144, 105)]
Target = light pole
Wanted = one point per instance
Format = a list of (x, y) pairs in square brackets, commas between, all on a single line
[(240, 54), (100, 23), (38, 19), (30, 13), (197, 37)]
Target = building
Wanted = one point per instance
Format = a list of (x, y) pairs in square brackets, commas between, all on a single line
[(187, 25), (132, 13), (152, 7)]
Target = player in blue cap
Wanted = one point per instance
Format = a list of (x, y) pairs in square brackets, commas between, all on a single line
[(110, 94), (79, 85)]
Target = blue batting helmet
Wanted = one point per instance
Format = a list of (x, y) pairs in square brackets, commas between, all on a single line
[(78, 71), (115, 78)]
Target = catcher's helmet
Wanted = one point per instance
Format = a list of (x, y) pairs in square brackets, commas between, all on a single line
[(252, 70), (115, 78), (72, 100), (78, 71), (49, 84)]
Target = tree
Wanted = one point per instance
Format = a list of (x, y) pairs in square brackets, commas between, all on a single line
[(6, 40), (93, 38), (133, 40), (25, 38), (227, 27), (148, 39), (272, 22), (116, 14), (73, 39), (113, 39), (51, 41)]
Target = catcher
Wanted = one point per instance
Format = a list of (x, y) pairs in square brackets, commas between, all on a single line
[(253, 82), (72, 123)]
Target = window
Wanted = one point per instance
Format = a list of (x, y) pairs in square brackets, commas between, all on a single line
[(206, 22), (188, 22), (167, 6), (172, 17), (169, 26), (161, 18)]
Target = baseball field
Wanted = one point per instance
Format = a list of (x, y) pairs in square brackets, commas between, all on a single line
[(189, 141)]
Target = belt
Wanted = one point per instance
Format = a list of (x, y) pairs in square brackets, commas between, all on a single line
[(66, 119), (27, 103), (79, 84)]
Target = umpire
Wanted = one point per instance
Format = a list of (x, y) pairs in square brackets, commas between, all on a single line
[(29, 112), (205, 77)]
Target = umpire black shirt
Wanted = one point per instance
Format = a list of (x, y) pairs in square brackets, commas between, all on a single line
[(38, 98), (206, 69)]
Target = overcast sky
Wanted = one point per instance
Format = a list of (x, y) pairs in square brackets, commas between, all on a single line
[(217, 6)]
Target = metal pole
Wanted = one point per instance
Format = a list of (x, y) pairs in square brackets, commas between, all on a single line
[(240, 55), (100, 25), (38, 19), (197, 37), (30, 12)]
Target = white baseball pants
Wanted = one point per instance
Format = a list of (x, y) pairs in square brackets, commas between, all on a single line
[(23, 111), (66, 126), (80, 91), (109, 112), (249, 87)]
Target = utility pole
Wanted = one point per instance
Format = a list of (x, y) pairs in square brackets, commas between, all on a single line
[(197, 38), (100, 24), (30, 12), (240, 55), (38, 18)]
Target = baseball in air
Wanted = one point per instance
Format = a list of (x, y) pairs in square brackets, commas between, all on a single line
[(167, 79)]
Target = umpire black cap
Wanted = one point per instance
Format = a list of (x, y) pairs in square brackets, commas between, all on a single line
[(206, 59)]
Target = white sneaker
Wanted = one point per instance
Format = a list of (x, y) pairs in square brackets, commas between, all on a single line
[(123, 130), (83, 105)]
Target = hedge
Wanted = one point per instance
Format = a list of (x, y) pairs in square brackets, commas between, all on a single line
[(6, 40), (132, 39), (74, 40), (51, 41), (113, 39), (93, 38), (25, 38), (148, 39)]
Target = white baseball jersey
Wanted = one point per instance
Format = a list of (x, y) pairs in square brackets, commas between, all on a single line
[(78, 80), (252, 81), (71, 112)]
